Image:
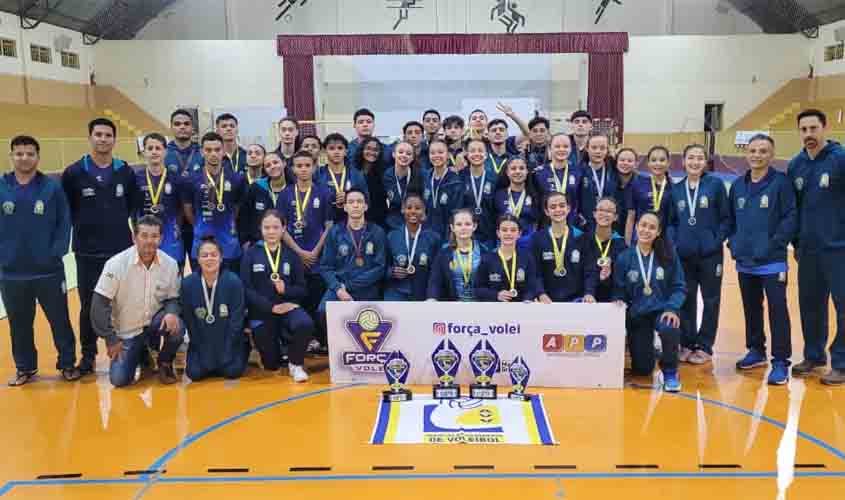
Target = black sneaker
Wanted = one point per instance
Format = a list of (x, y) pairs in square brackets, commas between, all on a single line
[(22, 378), (806, 367), (166, 374), (71, 374)]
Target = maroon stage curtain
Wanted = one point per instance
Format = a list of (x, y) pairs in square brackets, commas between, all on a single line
[(606, 78), (605, 89)]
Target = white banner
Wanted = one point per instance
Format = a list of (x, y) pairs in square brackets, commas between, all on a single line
[(564, 345)]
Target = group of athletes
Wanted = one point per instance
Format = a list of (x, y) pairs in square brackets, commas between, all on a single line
[(453, 211)]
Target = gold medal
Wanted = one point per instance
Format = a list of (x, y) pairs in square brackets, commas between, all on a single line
[(301, 207), (274, 261), (604, 260), (559, 252), (657, 197), (510, 274), (155, 194)]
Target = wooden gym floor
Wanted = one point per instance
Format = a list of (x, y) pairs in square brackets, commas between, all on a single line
[(726, 435)]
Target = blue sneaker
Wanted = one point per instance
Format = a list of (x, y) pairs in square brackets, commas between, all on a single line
[(751, 360), (671, 382), (779, 374)]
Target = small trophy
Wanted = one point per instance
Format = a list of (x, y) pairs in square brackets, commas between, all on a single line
[(447, 360), (519, 373), (396, 369), (484, 361)]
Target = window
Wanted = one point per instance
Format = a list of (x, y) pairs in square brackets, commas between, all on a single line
[(8, 48), (834, 52), (70, 60), (41, 54)]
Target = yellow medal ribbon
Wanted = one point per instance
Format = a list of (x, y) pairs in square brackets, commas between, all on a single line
[(466, 266), (274, 262), (498, 167), (560, 187), (300, 208), (603, 250), (234, 158), (560, 264), (510, 275), (217, 188), (155, 195), (657, 198), (338, 187), (516, 210)]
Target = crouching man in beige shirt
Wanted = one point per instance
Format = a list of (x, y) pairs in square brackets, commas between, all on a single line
[(136, 303)]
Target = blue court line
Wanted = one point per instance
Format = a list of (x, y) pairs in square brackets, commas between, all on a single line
[(162, 460), (410, 477), (818, 442)]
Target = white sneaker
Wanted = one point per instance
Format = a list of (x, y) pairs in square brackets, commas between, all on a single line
[(298, 373)]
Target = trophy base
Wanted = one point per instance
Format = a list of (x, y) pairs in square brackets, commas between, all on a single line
[(451, 391), (397, 396), (483, 391), (519, 396)]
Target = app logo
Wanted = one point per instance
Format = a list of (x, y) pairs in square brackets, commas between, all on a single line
[(574, 344), (370, 332), (439, 329)]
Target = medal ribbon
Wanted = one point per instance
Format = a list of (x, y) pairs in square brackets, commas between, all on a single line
[(559, 251), (516, 210), (217, 188), (155, 195), (646, 275), (603, 250), (510, 275), (657, 197), (466, 265), (338, 187), (300, 208), (274, 262), (560, 186)]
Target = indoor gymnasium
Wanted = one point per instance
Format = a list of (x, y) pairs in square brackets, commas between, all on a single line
[(371, 249)]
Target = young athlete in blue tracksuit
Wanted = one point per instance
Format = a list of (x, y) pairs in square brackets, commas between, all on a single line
[(516, 196), (649, 193), (507, 274), (566, 268), (443, 190), (606, 244), (818, 174), (274, 281), (211, 200), (353, 262), (561, 176), (159, 194), (699, 225), (263, 194), (400, 180), (363, 120), (600, 179), (102, 192), (411, 252), (649, 278), (455, 272), (213, 310), (480, 192), (763, 222), (183, 157), (337, 173), (35, 224), (309, 210)]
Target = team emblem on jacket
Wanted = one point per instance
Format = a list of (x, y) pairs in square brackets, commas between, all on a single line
[(575, 257), (705, 202), (168, 189), (520, 274), (370, 248), (659, 273), (825, 180), (172, 168), (764, 201), (423, 259), (259, 206), (316, 203), (227, 186), (571, 180), (633, 276), (200, 312), (740, 203), (782, 277), (718, 270), (343, 250), (390, 195), (88, 192), (402, 260), (528, 201), (444, 198), (682, 204), (258, 268), (548, 256), (286, 269), (586, 182), (118, 190), (39, 208), (8, 208), (224, 311), (488, 188), (799, 183)]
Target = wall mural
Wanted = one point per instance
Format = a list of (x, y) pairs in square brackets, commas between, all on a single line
[(286, 6), (404, 8), (507, 13)]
